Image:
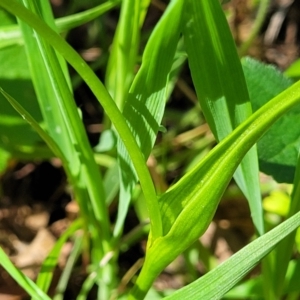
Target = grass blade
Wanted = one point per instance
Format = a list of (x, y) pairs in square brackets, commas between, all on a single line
[(63, 280), (48, 266), (191, 200), (123, 55), (28, 285), (11, 35), (285, 249), (236, 267), (51, 81), (221, 88), (104, 98), (145, 104), (31, 121)]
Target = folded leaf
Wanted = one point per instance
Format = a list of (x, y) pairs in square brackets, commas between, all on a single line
[(188, 207)]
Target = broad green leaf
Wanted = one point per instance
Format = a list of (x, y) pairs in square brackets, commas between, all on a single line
[(217, 282), (28, 285), (188, 207), (278, 148), (147, 97), (221, 88), (253, 288), (6, 18)]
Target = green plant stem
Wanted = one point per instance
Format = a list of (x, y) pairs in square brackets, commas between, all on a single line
[(259, 20), (104, 98)]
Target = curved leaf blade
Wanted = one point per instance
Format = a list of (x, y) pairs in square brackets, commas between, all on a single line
[(145, 104), (189, 206)]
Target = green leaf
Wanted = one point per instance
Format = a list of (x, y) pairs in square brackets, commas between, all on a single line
[(69, 267), (28, 285), (104, 98), (293, 70), (52, 84), (35, 125), (16, 136), (221, 88), (4, 157), (278, 148), (123, 55), (11, 35), (46, 273), (217, 282), (147, 97), (188, 207)]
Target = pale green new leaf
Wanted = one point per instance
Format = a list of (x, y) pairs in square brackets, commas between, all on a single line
[(221, 88), (188, 207), (220, 280), (147, 97)]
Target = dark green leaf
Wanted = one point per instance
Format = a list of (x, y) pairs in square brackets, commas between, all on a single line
[(278, 149)]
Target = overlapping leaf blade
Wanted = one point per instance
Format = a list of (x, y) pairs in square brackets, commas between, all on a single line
[(123, 55), (104, 98), (26, 283), (220, 280), (220, 85), (145, 104), (194, 199)]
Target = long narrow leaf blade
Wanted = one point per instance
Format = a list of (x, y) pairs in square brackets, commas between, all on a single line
[(123, 55), (29, 286), (11, 35), (46, 273), (104, 98), (221, 87), (35, 125), (221, 279), (145, 105)]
